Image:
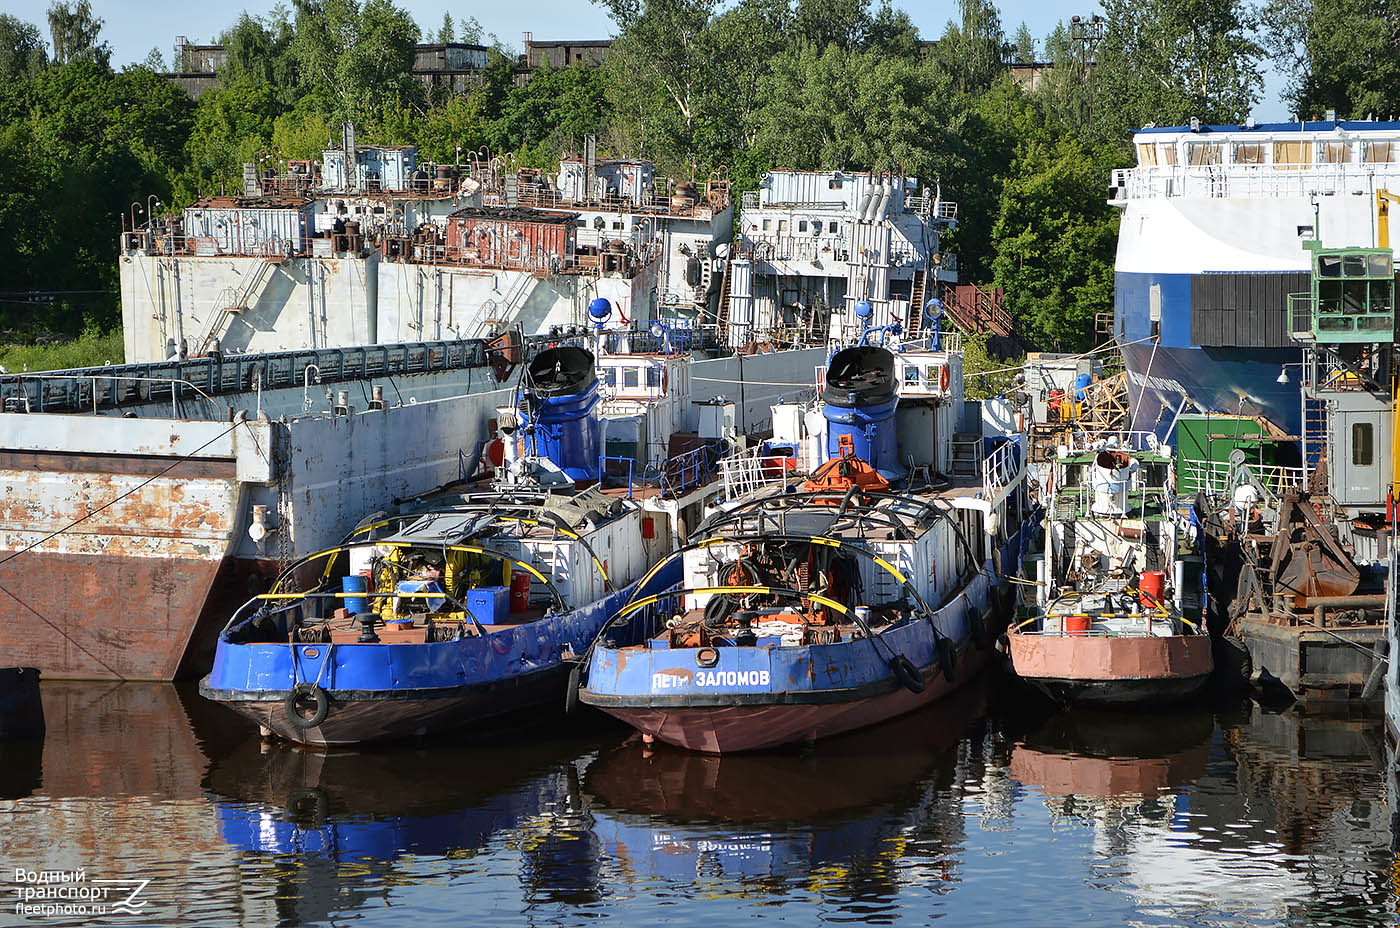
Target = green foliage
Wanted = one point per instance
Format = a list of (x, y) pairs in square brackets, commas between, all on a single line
[(1342, 55), (1055, 241), (93, 348), (1023, 45), (259, 51), (549, 114), (74, 32), (354, 57), (972, 51), (985, 374), (21, 48), (1169, 60)]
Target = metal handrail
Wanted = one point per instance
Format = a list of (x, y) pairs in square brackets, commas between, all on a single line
[(1252, 180), (70, 391), (1214, 476)]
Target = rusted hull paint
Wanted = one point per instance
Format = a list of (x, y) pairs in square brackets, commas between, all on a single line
[(116, 595), (732, 728), (117, 617), (1113, 670)]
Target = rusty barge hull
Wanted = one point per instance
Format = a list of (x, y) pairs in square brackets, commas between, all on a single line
[(125, 542), (1111, 670)]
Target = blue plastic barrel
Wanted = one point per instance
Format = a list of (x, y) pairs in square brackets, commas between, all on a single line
[(355, 583), (1080, 382)]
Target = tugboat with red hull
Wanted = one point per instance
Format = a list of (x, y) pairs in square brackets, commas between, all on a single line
[(813, 608), (1118, 587)]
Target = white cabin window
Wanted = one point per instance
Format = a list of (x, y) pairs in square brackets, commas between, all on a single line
[(631, 377), (1334, 153), (1147, 155), (767, 224), (1166, 152), (1249, 153), (831, 227), (1379, 152), (802, 226), (1199, 153), (782, 226), (1292, 155)]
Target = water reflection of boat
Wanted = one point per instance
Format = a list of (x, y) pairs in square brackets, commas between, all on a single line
[(841, 809), (21, 767), (1113, 754), (348, 805)]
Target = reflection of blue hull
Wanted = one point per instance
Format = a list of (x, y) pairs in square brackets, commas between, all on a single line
[(1230, 380)]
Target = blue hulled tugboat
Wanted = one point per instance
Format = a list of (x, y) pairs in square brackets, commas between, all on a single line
[(471, 607), (812, 607)]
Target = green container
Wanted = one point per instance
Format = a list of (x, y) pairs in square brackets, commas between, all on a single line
[(1204, 443)]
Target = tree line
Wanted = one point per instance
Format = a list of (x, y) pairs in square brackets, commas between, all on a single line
[(694, 85)]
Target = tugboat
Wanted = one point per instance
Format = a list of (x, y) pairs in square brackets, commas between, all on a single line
[(813, 608), (1116, 612), (468, 608)]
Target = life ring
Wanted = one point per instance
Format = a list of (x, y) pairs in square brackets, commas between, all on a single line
[(906, 674), (319, 700), (943, 378)]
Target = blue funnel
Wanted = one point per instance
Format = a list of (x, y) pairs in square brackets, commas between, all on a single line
[(563, 397), (860, 397)]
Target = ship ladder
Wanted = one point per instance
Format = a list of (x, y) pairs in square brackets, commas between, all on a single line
[(238, 303), (916, 300)]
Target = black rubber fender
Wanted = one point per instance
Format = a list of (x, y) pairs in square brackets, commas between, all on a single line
[(907, 674), (571, 691), (947, 657), (719, 608), (320, 699)]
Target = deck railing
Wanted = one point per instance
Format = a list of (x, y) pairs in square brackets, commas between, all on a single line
[(1214, 477), (1251, 181), (750, 471)]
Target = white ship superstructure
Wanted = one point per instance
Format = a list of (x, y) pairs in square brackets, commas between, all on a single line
[(386, 249), (1210, 247), (813, 245)]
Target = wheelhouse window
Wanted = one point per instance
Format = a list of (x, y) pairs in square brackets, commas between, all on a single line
[(653, 376), (1202, 153), (1249, 153), (1379, 152), (1166, 154), (631, 377), (1147, 155), (1334, 152), (1292, 155)]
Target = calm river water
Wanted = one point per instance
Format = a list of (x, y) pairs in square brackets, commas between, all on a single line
[(960, 815)]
